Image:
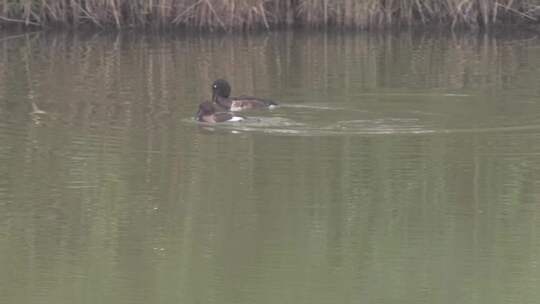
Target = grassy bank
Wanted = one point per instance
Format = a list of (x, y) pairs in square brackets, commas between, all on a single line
[(242, 14)]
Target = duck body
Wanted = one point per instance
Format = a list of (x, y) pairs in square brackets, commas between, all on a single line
[(221, 91), (207, 113), (242, 103)]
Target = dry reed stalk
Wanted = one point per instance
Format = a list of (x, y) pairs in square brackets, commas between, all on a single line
[(246, 14)]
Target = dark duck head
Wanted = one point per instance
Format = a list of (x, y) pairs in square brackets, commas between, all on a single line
[(221, 91), (221, 95)]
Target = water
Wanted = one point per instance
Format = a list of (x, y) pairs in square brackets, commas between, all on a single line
[(398, 168)]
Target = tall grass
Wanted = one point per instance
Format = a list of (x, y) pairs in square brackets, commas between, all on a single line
[(241, 14)]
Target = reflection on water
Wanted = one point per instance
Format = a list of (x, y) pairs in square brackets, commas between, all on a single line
[(398, 168)]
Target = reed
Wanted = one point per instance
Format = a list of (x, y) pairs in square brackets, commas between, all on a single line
[(249, 14)]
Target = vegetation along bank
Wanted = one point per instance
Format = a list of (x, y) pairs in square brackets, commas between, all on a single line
[(269, 14)]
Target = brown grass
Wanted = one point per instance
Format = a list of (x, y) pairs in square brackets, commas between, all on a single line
[(248, 14)]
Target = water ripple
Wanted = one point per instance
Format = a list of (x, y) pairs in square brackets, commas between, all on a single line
[(376, 126)]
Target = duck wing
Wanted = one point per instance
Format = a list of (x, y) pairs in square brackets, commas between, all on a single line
[(226, 116), (250, 102)]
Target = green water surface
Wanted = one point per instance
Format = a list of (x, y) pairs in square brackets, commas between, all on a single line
[(399, 168)]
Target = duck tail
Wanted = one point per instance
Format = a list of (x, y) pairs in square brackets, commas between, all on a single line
[(270, 102)]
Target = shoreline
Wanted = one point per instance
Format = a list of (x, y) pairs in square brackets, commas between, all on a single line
[(506, 29)]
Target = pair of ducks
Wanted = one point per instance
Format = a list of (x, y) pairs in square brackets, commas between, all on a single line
[(221, 91)]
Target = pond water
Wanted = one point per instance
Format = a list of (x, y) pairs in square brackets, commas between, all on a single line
[(398, 168)]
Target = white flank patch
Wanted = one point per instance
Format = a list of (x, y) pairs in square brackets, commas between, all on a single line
[(236, 118)]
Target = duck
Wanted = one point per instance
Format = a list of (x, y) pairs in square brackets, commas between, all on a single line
[(221, 91), (207, 113)]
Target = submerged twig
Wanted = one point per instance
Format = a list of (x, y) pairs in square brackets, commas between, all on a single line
[(26, 22)]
